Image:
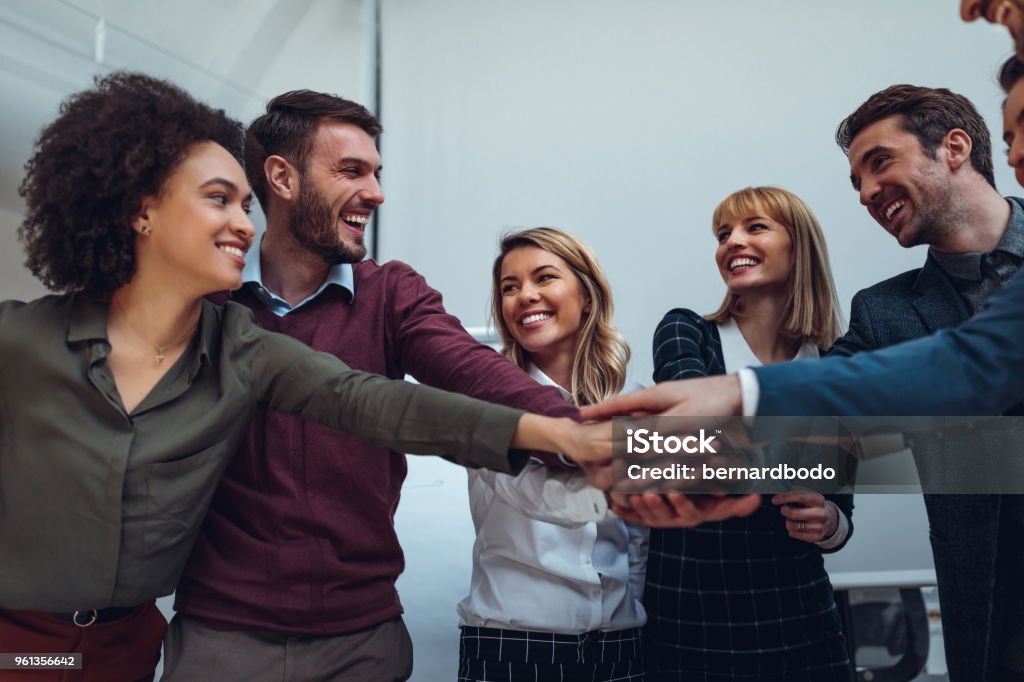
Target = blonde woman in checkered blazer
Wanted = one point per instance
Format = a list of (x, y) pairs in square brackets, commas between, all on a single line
[(749, 598)]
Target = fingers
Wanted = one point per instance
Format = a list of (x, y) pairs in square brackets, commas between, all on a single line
[(800, 497), (808, 531), (627, 514), (619, 500), (644, 401), (720, 508), (657, 512), (707, 397), (805, 514), (679, 510), (808, 523), (670, 397)]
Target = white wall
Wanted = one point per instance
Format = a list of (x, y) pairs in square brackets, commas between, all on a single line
[(626, 123)]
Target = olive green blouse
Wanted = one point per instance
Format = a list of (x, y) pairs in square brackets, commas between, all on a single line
[(99, 507)]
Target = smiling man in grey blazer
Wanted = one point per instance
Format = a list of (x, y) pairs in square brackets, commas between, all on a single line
[(921, 161)]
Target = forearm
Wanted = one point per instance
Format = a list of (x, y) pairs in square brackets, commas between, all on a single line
[(399, 415), (589, 446), (438, 351)]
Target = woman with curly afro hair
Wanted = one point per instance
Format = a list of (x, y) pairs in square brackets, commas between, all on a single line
[(124, 395)]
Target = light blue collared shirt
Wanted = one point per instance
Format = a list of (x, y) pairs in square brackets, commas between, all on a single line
[(340, 275)]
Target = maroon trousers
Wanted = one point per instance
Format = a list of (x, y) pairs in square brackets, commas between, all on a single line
[(122, 650)]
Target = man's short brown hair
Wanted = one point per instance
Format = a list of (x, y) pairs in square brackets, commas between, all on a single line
[(928, 114), (288, 127)]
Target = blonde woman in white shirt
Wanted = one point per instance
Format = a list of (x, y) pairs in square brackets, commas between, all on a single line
[(557, 581)]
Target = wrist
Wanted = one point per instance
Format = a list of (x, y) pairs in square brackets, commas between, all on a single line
[(831, 520), (566, 438), (545, 434)]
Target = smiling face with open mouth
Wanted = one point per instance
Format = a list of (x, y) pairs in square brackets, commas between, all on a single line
[(339, 191), (906, 191), (542, 302), (754, 252), (199, 227)]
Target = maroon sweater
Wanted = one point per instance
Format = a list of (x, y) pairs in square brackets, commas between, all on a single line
[(300, 537)]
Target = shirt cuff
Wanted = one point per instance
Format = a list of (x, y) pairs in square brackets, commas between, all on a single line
[(842, 530), (750, 391)]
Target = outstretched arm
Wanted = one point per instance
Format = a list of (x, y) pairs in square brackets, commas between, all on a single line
[(975, 369), (286, 376), (716, 396), (589, 446)]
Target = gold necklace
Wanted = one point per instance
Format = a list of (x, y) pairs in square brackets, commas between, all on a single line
[(160, 357)]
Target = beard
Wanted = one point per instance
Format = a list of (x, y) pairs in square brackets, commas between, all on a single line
[(937, 212), (314, 226)]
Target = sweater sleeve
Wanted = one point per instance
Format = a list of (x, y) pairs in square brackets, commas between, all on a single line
[(287, 376), (436, 349)]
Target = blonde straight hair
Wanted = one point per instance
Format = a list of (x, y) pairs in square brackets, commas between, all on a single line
[(601, 355), (812, 312)]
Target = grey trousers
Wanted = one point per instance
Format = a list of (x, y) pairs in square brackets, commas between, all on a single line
[(196, 653)]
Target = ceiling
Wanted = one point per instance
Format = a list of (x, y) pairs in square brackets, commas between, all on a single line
[(235, 54)]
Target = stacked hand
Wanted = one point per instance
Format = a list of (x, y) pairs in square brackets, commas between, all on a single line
[(713, 396), (809, 516), (590, 447), (681, 510), (717, 396)]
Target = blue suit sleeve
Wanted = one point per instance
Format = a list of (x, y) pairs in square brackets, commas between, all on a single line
[(975, 369)]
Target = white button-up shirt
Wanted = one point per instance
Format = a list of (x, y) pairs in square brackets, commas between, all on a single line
[(549, 556)]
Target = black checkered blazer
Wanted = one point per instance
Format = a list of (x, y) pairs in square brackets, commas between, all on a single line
[(739, 599)]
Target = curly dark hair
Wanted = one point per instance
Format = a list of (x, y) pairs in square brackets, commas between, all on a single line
[(928, 114), (110, 147), (288, 127)]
